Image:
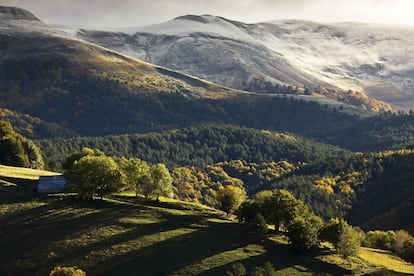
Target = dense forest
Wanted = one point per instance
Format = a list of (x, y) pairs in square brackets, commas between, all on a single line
[(197, 146), (380, 132), (348, 186), (105, 107)]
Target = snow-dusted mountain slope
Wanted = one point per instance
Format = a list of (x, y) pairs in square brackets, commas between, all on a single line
[(375, 59), (13, 13), (18, 22)]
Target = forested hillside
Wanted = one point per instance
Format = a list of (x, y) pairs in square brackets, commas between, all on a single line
[(366, 189), (332, 181), (33, 127), (381, 132), (197, 146)]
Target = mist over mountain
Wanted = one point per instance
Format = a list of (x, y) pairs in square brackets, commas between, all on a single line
[(329, 59)]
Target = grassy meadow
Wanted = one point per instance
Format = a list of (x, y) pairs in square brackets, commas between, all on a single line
[(23, 173), (120, 236)]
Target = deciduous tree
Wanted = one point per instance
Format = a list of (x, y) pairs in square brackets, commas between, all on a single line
[(136, 172), (282, 208), (332, 231), (230, 198), (157, 183), (70, 160), (162, 181), (67, 271), (303, 232), (94, 175)]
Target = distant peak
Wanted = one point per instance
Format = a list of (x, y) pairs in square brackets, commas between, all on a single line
[(16, 13), (207, 18), (197, 18)]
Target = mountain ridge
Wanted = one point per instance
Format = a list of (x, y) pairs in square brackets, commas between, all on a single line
[(91, 90), (327, 58)]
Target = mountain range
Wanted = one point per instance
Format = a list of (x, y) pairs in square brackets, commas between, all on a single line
[(87, 89), (330, 59)]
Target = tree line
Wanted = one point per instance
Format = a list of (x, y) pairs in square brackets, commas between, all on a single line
[(291, 216), (91, 173), (306, 231)]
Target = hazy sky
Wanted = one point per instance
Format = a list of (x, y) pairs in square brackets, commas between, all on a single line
[(130, 13)]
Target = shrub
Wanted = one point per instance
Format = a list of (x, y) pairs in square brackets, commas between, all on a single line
[(408, 250), (303, 233), (401, 236), (237, 269), (349, 241), (379, 239), (267, 270), (260, 225), (66, 271)]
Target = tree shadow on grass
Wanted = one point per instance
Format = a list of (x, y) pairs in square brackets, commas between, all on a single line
[(284, 257), (172, 254), (31, 241), (23, 190), (29, 236)]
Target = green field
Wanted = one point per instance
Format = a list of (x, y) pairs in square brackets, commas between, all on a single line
[(23, 173), (120, 236)]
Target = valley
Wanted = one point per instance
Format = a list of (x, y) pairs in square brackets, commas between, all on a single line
[(200, 145)]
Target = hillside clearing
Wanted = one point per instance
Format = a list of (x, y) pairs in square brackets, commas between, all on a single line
[(386, 259)]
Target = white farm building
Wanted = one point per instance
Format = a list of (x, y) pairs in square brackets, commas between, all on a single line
[(51, 184)]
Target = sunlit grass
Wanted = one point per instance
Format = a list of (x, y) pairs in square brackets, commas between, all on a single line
[(222, 259), (138, 221), (23, 173), (370, 261), (386, 259)]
